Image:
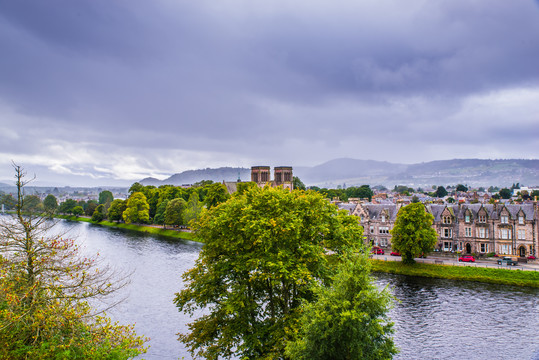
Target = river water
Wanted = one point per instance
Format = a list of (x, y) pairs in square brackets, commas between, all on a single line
[(434, 318)]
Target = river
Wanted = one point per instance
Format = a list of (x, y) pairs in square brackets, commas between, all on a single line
[(434, 318)]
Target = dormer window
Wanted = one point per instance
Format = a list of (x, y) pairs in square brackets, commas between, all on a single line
[(504, 219), (482, 218), (521, 220), (467, 218), (446, 219), (383, 218)]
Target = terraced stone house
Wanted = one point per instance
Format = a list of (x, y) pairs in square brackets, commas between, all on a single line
[(469, 228)]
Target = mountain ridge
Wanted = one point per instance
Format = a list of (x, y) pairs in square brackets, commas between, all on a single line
[(353, 172)]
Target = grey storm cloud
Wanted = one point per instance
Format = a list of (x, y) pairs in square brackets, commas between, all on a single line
[(265, 80)]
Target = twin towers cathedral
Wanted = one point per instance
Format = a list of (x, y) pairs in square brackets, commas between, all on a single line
[(282, 176)]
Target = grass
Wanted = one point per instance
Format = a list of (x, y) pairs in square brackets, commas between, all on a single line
[(469, 273), (135, 227)]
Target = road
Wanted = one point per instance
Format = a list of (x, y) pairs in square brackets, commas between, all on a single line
[(453, 261)]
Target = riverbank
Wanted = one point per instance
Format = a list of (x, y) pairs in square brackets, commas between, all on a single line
[(176, 234), (493, 276)]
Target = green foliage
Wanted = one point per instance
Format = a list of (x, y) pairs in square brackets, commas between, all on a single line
[(534, 194), (174, 212), (32, 204), (505, 193), (451, 200), (77, 210), (348, 320), (137, 209), (50, 204), (116, 210), (244, 186), (193, 209), (105, 197), (415, 199), (441, 192), (297, 183), (264, 251), (363, 192), (91, 205), (412, 233), (461, 188), (8, 201), (44, 287), (159, 217), (99, 213), (217, 194), (469, 273), (67, 206)]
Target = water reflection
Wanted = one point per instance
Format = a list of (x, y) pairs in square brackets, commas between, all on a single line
[(445, 319), (434, 319)]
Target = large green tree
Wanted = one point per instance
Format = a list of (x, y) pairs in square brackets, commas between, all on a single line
[(116, 210), (441, 192), (174, 212), (193, 209), (348, 320), (505, 193), (217, 194), (137, 209), (412, 233), (50, 203), (105, 198), (45, 286), (264, 252), (67, 206)]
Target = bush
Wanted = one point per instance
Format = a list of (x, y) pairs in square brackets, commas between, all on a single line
[(491, 254)]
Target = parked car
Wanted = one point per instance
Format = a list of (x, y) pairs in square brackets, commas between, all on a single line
[(467, 258), (531, 257), (507, 261), (394, 253), (377, 251)]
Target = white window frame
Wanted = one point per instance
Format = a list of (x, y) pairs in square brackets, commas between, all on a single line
[(522, 234), (447, 233), (521, 220), (504, 219), (468, 232), (467, 218), (505, 234), (482, 218), (484, 248)]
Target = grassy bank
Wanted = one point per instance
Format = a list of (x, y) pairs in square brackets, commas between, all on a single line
[(469, 273), (141, 228)]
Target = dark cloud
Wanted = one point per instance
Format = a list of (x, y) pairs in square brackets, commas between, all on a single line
[(235, 82)]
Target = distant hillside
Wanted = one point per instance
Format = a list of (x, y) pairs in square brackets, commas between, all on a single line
[(193, 176), (352, 172)]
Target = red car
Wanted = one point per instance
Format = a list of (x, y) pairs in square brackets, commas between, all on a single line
[(377, 251), (394, 253), (467, 258)]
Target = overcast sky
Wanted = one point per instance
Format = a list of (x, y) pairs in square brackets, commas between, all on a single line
[(109, 92)]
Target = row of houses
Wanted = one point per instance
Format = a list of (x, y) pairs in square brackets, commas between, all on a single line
[(504, 229)]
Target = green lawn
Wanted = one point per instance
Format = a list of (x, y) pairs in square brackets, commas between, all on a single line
[(141, 228), (495, 276)]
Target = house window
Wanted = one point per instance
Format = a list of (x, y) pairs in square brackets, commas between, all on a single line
[(484, 248), (483, 233), (383, 218), (505, 234), (446, 219), (505, 249), (483, 218), (447, 233), (383, 242), (447, 246), (467, 218), (504, 219), (521, 220), (468, 232), (522, 234), (372, 229), (384, 230)]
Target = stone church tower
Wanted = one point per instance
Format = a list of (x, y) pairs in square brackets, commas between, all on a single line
[(282, 176)]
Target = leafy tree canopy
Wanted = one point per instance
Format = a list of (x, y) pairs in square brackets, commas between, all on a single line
[(441, 192), (505, 193), (50, 204), (348, 320), (137, 209), (264, 252), (461, 188), (412, 233), (217, 194), (297, 183), (174, 212), (105, 197), (116, 209)]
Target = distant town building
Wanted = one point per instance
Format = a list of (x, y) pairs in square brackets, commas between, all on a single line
[(282, 176), (505, 229)]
